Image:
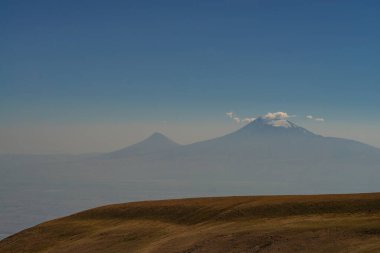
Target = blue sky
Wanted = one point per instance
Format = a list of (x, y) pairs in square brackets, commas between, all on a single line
[(184, 63)]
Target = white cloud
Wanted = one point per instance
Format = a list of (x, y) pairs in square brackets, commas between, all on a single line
[(277, 115), (269, 115), (230, 114), (239, 120), (248, 120), (311, 117)]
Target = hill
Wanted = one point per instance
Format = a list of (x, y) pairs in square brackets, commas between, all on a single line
[(309, 223)]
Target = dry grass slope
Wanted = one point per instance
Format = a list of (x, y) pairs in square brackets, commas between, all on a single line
[(320, 223)]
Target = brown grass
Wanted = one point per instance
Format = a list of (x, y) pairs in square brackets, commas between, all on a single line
[(320, 223)]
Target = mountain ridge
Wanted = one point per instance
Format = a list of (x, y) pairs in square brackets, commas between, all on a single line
[(276, 161), (259, 126), (291, 159)]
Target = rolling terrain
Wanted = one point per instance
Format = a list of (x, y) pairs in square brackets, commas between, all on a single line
[(304, 223)]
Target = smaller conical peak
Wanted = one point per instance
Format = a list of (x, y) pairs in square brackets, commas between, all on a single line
[(157, 142), (158, 138), (157, 135)]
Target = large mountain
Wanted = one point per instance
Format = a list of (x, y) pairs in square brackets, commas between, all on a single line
[(282, 139), (274, 153)]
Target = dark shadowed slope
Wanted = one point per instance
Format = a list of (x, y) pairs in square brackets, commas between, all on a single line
[(320, 223)]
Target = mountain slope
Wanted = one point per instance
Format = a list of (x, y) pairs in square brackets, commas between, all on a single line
[(320, 223), (277, 155), (157, 142)]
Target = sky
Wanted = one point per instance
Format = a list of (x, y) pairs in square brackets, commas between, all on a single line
[(94, 76)]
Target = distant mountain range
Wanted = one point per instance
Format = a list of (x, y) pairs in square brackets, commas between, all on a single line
[(266, 156), (274, 152)]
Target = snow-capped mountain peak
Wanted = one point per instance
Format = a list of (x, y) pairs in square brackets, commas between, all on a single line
[(274, 122), (266, 125)]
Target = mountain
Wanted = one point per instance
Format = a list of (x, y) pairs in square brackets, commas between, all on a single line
[(157, 142), (263, 125), (276, 155), (281, 140)]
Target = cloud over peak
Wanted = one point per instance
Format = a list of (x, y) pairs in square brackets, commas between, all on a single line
[(230, 114), (276, 115), (318, 119), (269, 115), (239, 120), (248, 120)]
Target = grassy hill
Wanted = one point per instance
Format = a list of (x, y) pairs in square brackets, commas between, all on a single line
[(320, 223)]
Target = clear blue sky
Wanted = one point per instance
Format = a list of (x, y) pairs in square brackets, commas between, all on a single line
[(186, 62)]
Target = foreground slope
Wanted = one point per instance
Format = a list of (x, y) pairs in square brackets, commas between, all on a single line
[(319, 223)]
